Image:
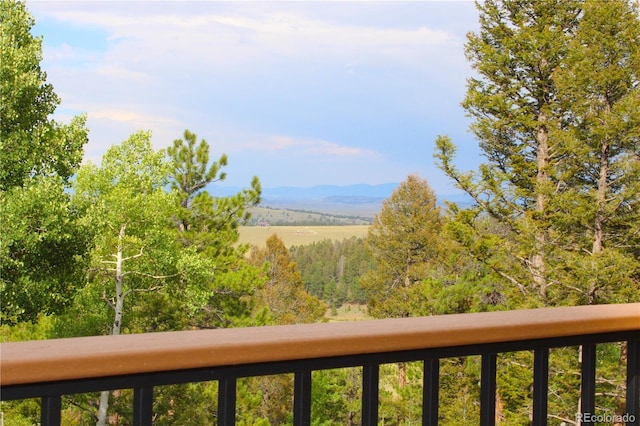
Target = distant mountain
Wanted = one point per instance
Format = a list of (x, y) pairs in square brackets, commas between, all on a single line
[(319, 192), (360, 199), (313, 192)]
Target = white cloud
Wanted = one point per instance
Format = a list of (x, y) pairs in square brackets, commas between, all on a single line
[(311, 147), (145, 35), (321, 77), (121, 73), (126, 114)]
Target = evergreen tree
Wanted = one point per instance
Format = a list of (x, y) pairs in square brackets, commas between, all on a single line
[(331, 270), (555, 112), (287, 302), (597, 204), (217, 280), (519, 46), (404, 242), (283, 293), (555, 108)]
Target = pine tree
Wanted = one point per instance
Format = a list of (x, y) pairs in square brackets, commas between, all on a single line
[(284, 293), (404, 242), (597, 204), (516, 52), (555, 111), (217, 281)]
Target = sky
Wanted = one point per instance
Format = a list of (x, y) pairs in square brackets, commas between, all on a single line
[(298, 93)]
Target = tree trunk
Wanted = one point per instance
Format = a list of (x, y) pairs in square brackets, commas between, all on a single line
[(117, 321), (402, 375), (537, 266), (601, 194)]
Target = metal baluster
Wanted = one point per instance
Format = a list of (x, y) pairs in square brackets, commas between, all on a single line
[(50, 408), (430, 392), (588, 381), (302, 398), (227, 402), (488, 390), (370, 379), (540, 385), (143, 406), (633, 383)]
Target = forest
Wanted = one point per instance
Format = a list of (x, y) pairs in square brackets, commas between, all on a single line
[(136, 244)]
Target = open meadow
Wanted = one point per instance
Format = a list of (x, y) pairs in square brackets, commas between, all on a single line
[(347, 312), (300, 235)]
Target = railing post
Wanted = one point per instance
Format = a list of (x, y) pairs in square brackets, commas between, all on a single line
[(370, 394), (50, 407), (633, 383), (302, 398), (227, 402), (588, 384), (143, 406), (430, 392), (540, 385), (488, 390)]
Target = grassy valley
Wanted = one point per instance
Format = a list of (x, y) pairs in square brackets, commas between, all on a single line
[(300, 235), (300, 227)]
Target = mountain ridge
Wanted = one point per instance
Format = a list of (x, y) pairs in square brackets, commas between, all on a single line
[(356, 199)]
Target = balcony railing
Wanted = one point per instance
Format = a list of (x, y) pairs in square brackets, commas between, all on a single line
[(49, 369)]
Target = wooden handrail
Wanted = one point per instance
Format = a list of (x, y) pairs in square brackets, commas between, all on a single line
[(102, 356)]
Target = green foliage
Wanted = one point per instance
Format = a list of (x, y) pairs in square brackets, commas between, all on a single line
[(401, 393), (216, 281), (20, 413), (555, 222), (336, 396), (403, 241), (39, 329), (283, 292), (42, 253), (30, 143), (331, 270), (518, 48), (42, 246), (190, 167), (555, 108), (597, 211), (125, 205)]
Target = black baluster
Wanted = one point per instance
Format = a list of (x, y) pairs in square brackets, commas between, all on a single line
[(227, 402), (143, 406), (540, 385), (430, 392), (633, 383), (302, 398), (370, 379), (588, 381), (50, 410), (488, 390)]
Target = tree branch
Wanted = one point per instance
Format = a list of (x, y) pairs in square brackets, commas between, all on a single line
[(513, 281), (134, 256), (155, 277), (108, 301), (141, 290), (573, 422)]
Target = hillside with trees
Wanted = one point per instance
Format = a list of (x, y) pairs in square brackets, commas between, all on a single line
[(136, 244)]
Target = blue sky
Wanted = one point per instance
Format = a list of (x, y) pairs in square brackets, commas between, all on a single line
[(297, 93)]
